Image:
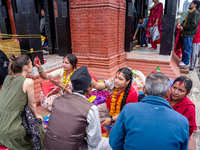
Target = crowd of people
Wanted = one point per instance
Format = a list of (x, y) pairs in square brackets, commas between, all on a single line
[(187, 33), (164, 117), (149, 115), (187, 38), (155, 19)]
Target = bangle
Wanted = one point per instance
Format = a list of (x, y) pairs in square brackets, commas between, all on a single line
[(63, 88), (112, 121), (40, 70)]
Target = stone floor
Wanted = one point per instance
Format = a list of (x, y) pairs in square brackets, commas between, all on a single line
[(55, 61), (52, 62), (148, 54), (195, 98)]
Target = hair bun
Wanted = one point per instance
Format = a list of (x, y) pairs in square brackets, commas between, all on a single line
[(12, 57)]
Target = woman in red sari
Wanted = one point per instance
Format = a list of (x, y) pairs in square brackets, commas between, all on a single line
[(181, 103), (178, 40), (155, 19), (122, 91)]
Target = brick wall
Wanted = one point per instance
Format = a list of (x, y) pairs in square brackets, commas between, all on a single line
[(97, 34)]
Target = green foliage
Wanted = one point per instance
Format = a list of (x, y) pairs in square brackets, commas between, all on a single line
[(183, 14)]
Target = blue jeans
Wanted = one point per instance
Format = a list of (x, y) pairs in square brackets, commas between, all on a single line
[(143, 39), (187, 49)]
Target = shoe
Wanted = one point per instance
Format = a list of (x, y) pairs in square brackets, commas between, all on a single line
[(184, 66), (190, 69), (181, 63)]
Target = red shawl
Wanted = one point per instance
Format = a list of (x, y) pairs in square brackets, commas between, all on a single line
[(131, 98), (187, 108)]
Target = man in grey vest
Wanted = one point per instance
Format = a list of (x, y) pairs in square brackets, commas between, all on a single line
[(74, 122)]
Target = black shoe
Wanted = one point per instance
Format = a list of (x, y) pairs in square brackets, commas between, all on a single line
[(191, 69)]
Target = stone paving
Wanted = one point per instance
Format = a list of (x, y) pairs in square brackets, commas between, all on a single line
[(195, 98)]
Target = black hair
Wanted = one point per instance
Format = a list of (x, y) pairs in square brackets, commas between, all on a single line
[(198, 4), (186, 81), (17, 63), (72, 60), (128, 75), (140, 17), (85, 90), (140, 97)]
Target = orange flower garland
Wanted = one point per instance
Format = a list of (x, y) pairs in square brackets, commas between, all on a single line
[(115, 110), (65, 82)]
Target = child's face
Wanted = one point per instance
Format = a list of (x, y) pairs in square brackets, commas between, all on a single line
[(140, 21)]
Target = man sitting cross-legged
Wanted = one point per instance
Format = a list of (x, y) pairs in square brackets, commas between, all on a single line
[(74, 122), (150, 124)]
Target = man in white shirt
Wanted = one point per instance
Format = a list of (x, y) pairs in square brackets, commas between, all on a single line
[(74, 122)]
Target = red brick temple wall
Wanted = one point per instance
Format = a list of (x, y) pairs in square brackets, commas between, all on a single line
[(97, 34)]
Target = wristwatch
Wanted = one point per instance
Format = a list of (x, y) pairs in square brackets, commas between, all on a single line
[(112, 121)]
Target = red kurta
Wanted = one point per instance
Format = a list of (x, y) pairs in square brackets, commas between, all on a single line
[(196, 39), (131, 98), (187, 108), (178, 42), (155, 12)]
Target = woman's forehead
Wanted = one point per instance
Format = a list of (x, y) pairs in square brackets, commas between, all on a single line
[(66, 59)]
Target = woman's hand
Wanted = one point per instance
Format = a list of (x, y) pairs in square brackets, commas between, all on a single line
[(106, 122), (180, 28), (56, 82), (37, 62), (39, 117), (156, 23)]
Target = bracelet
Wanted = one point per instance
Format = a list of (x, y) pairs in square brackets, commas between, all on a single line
[(63, 88), (40, 70), (112, 121)]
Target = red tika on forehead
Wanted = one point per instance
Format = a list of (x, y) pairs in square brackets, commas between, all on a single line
[(119, 73), (65, 58), (180, 83)]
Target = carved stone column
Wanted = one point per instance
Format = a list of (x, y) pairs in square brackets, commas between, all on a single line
[(97, 32)]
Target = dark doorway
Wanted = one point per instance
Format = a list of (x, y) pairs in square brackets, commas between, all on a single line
[(133, 10), (58, 26)]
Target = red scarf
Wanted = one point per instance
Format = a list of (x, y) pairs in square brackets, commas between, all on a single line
[(187, 108)]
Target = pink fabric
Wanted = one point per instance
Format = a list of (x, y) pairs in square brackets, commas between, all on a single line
[(3, 148), (178, 42), (196, 39), (155, 12), (187, 109), (154, 44)]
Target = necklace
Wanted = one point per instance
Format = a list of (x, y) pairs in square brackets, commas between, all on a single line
[(115, 110), (65, 82)]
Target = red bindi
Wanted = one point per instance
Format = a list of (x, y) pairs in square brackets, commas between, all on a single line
[(180, 83), (119, 73), (65, 58)]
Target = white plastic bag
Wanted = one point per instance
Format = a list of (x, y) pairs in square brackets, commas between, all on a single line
[(155, 34)]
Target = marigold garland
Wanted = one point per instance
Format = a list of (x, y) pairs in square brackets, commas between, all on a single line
[(65, 82), (115, 110)]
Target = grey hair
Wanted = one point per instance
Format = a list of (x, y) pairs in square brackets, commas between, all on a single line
[(157, 84)]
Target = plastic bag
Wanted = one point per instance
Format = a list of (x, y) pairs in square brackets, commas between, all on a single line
[(155, 34), (139, 78)]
